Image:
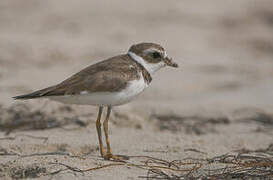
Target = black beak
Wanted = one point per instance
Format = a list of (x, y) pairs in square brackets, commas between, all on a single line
[(169, 62)]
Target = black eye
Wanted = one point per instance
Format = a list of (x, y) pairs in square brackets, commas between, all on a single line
[(156, 55)]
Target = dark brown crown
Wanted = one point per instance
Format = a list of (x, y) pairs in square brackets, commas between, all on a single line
[(141, 47)]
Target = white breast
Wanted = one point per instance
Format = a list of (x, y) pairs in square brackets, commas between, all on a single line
[(133, 89)]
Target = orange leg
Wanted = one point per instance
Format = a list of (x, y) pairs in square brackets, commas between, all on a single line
[(109, 154), (98, 126)]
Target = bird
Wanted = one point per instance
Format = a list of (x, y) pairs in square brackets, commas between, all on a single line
[(108, 83)]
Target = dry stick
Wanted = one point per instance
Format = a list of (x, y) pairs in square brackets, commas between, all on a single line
[(236, 170), (239, 169), (195, 168), (86, 170), (252, 168), (142, 166), (175, 163), (151, 158), (151, 161), (67, 168), (159, 167), (164, 162), (103, 166)]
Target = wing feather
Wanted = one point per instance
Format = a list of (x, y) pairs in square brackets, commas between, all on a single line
[(106, 76)]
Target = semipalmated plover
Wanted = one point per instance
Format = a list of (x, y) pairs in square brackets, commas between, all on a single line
[(114, 81)]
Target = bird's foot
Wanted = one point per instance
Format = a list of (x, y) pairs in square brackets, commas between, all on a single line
[(110, 156)]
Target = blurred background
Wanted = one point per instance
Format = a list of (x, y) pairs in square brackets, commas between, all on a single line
[(224, 48)]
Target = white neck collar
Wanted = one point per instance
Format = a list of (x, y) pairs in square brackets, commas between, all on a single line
[(150, 67)]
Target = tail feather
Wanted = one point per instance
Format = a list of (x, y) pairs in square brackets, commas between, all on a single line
[(38, 94), (27, 96)]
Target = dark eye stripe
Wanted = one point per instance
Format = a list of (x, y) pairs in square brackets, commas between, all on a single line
[(156, 55)]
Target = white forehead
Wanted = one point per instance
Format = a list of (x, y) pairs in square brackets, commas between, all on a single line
[(165, 54)]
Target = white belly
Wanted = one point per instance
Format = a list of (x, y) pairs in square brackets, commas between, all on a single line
[(134, 88)]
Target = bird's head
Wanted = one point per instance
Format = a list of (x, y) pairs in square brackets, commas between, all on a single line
[(151, 56)]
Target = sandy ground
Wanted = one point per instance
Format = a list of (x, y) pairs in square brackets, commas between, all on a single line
[(220, 100)]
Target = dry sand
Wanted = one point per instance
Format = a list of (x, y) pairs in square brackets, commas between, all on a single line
[(220, 100)]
